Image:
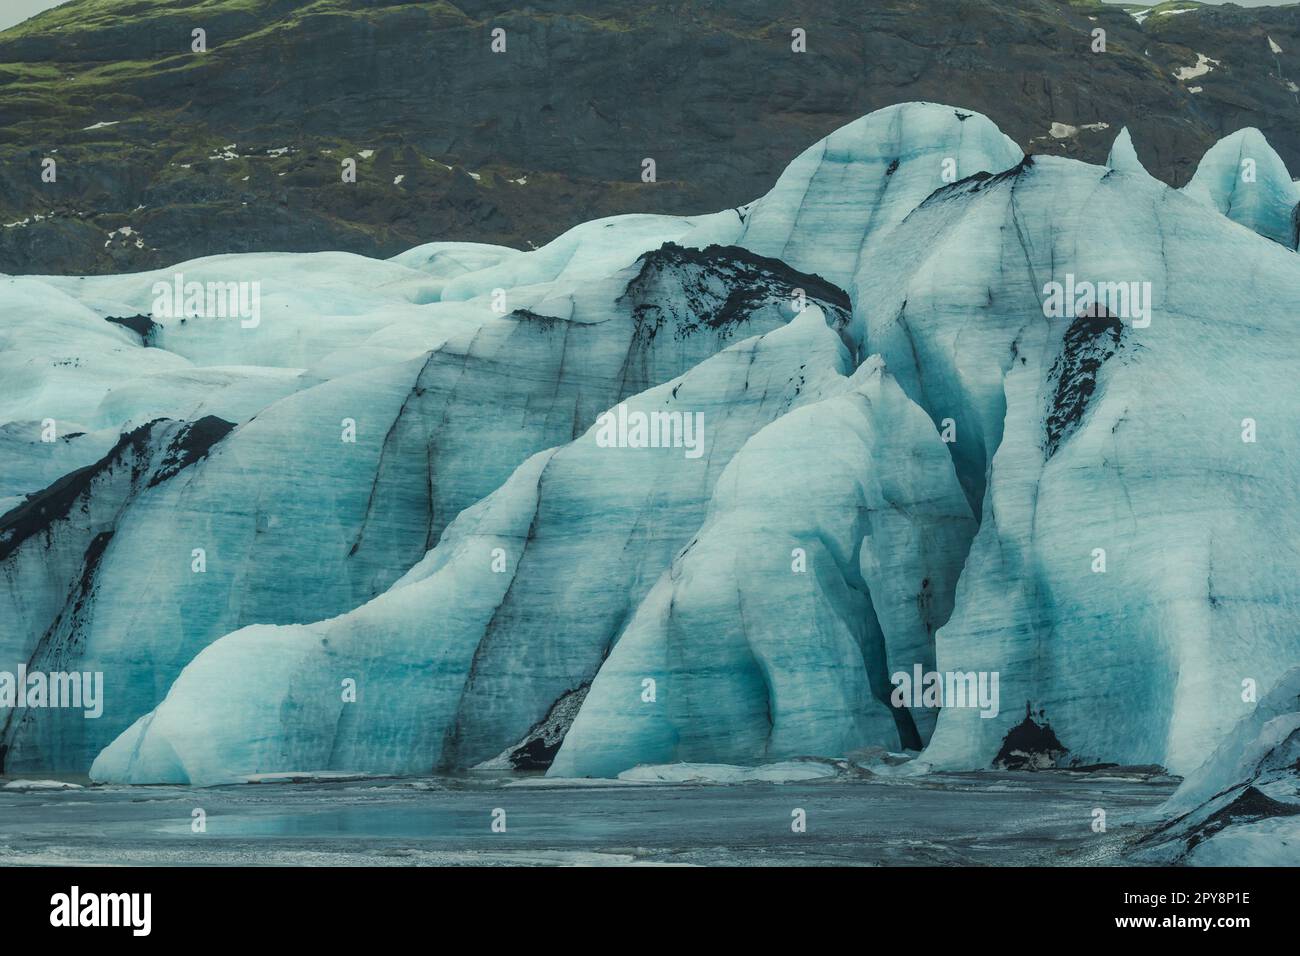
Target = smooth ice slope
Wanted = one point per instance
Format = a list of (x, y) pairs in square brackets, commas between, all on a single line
[(1152, 432), (52, 549), (1244, 178), (472, 648), (827, 561), (1123, 157), (370, 466), (831, 206)]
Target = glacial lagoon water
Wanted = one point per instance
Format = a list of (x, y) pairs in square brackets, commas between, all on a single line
[(987, 818)]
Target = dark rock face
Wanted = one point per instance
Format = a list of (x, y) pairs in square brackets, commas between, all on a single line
[(537, 749), (1029, 745), (720, 287), (1092, 338), (240, 148), (43, 508), (141, 325), (1249, 806), (1272, 792), (193, 442)]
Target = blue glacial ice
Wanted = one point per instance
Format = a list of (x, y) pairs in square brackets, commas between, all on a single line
[(391, 449), (1243, 804), (964, 410), (471, 648), (1244, 178)]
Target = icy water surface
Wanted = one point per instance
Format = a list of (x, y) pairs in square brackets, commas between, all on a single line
[(984, 819)]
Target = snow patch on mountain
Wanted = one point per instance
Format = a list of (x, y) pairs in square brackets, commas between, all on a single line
[(1203, 65)]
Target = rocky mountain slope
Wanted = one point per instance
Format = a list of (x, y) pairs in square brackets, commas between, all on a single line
[(163, 154)]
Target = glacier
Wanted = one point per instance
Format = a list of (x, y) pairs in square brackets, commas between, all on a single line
[(466, 653), (1245, 179), (1243, 803), (827, 560), (431, 434), (418, 554)]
